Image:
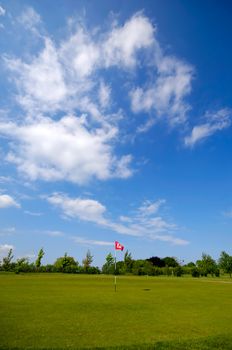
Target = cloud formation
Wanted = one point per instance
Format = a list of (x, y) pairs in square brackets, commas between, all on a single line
[(2, 11), (87, 242), (64, 150), (214, 122), (145, 222), (165, 94), (69, 125), (7, 201)]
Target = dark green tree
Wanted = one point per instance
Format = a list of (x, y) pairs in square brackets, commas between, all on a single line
[(142, 267), (39, 258), (170, 261), (156, 261)]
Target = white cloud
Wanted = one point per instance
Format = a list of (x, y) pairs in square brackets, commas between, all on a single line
[(124, 42), (54, 233), (150, 208), (2, 11), (30, 19), (64, 150), (80, 54), (7, 201), (31, 213), (143, 224), (4, 179), (41, 83), (83, 241), (61, 77), (84, 209), (170, 239), (104, 94), (65, 80), (166, 94), (216, 121), (4, 248), (146, 126)]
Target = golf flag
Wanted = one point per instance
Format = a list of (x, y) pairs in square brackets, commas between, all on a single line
[(118, 246)]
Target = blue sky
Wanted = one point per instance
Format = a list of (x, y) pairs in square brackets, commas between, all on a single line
[(115, 124)]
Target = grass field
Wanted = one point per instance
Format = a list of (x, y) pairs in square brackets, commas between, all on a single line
[(56, 311)]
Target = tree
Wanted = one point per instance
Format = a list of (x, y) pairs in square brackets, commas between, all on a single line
[(156, 261), (128, 261), (170, 262), (39, 258), (87, 261), (142, 267), (108, 267), (207, 265), (64, 263), (6, 262), (190, 264), (225, 262), (22, 265)]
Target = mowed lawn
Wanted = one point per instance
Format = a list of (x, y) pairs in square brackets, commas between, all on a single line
[(61, 311)]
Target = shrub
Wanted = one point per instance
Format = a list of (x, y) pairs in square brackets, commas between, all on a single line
[(178, 271), (195, 272)]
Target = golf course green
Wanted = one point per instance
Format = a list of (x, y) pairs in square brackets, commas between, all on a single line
[(62, 311)]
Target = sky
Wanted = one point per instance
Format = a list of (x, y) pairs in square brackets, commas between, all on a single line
[(115, 125)]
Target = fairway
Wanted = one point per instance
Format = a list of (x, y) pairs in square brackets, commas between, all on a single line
[(73, 311)]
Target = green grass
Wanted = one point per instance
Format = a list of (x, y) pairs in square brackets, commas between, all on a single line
[(55, 311)]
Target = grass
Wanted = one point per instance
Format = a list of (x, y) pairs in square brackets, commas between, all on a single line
[(55, 311)]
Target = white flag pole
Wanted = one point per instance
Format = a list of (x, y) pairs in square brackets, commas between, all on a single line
[(115, 263)]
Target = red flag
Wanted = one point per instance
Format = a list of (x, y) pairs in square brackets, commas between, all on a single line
[(118, 246)]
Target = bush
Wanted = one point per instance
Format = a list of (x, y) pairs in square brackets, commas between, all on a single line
[(178, 271), (167, 271), (156, 271), (195, 272)]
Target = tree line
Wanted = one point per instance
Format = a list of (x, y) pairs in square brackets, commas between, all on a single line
[(153, 266)]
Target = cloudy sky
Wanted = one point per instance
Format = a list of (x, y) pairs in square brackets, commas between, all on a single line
[(115, 124)]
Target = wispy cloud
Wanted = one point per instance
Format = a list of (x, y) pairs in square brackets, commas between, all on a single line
[(54, 233), (214, 121), (31, 213), (87, 242), (8, 231), (4, 179), (2, 11), (30, 19), (149, 208), (166, 93), (104, 94), (145, 222)]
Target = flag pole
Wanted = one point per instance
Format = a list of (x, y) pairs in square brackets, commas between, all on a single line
[(115, 263)]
